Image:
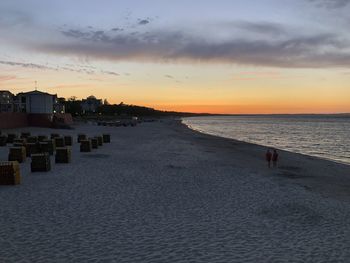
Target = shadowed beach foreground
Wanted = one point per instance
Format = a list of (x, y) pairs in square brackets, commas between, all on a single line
[(163, 193)]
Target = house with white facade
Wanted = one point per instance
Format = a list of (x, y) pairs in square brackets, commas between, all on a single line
[(34, 108), (36, 102), (90, 104)]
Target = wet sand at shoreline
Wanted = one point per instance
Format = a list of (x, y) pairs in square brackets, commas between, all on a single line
[(326, 177)]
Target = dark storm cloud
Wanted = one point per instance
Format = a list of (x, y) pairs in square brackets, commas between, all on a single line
[(322, 50), (332, 4)]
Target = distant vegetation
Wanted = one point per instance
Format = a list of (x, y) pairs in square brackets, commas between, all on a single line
[(73, 106)]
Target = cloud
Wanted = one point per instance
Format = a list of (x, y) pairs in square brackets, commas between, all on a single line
[(13, 18), (75, 33), (143, 22), (115, 29), (292, 51), (4, 78), (27, 65), (234, 42), (259, 75), (262, 27), (331, 4), (109, 73), (171, 77), (82, 69)]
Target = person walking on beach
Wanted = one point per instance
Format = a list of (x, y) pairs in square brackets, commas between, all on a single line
[(275, 158), (268, 157)]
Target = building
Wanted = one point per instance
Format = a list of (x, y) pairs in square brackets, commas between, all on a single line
[(19, 103), (34, 108), (59, 105), (36, 102), (90, 104), (6, 101)]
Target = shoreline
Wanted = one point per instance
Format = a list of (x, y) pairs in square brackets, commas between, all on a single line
[(323, 176), (256, 144)]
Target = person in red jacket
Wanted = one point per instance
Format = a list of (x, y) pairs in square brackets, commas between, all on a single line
[(268, 157), (275, 158)]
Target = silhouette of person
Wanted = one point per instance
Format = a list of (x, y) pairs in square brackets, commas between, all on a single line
[(275, 158), (268, 157)]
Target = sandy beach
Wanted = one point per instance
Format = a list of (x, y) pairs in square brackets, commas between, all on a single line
[(160, 192)]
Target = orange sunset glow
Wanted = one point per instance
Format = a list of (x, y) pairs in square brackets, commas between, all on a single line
[(247, 65), (242, 92)]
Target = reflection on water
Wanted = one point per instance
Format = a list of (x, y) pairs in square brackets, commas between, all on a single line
[(317, 135)]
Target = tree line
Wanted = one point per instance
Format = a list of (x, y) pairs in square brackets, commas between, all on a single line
[(74, 107)]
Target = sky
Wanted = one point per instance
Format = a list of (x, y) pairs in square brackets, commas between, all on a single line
[(224, 56)]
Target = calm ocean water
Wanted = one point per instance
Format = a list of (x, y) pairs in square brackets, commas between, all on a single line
[(325, 136)]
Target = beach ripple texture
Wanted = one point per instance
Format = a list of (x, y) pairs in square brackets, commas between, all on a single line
[(157, 195)]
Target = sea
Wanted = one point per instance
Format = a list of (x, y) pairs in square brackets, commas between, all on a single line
[(324, 136)]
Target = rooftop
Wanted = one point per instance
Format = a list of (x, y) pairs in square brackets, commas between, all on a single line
[(36, 92)]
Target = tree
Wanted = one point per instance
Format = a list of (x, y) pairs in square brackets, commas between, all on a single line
[(73, 106)]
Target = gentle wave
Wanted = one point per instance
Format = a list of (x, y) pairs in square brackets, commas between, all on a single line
[(316, 135)]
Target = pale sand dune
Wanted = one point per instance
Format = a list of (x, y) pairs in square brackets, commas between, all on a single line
[(163, 193)]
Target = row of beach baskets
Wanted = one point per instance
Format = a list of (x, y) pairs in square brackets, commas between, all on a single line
[(39, 149)]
